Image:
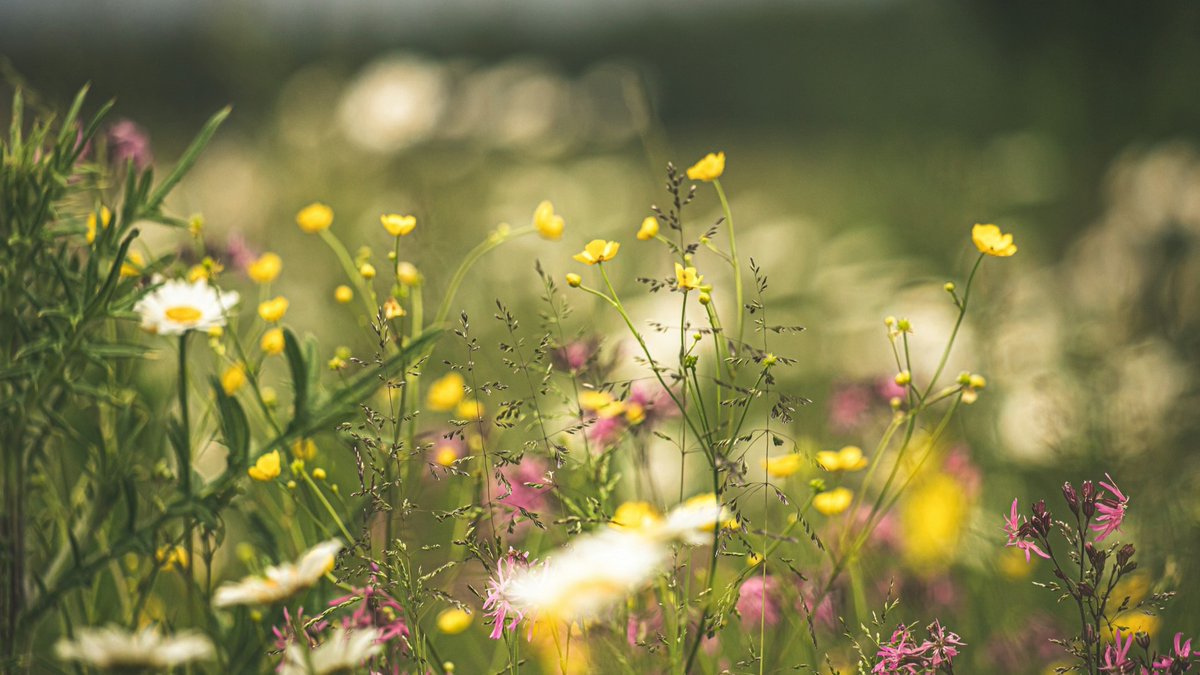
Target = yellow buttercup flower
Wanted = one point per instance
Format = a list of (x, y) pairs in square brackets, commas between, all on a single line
[(105, 220), (343, 294), (233, 378), (783, 465), (272, 341), (198, 273), (649, 229), (314, 217), (849, 458), (602, 403), (709, 168), (635, 414), (833, 502), (446, 455), (132, 267), (304, 449), (392, 309), (398, 225), (469, 410), (598, 251), (687, 278), (265, 269), (446, 392), (636, 516), (933, 519), (990, 240), (453, 621), (548, 224), (273, 310), (266, 468)]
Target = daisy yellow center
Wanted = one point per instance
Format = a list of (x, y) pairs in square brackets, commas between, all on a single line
[(184, 314)]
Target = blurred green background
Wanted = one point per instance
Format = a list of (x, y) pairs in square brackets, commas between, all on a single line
[(864, 138)]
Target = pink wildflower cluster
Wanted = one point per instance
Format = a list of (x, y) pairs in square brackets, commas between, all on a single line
[(759, 601), (497, 604), (903, 654), (1021, 532), (1118, 660)]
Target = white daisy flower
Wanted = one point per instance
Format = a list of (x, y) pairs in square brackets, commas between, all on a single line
[(114, 648), (178, 306), (282, 581), (595, 572), (343, 652)]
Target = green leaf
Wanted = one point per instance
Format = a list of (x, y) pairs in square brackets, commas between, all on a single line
[(234, 428), (300, 377), (187, 160)]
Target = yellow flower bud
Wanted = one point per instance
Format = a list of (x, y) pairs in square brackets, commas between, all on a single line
[(105, 220), (453, 621), (407, 274), (292, 485), (265, 269), (398, 225), (272, 342), (367, 270), (273, 310), (574, 280), (319, 474), (705, 298), (392, 309), (314, 217), (649, 229), (233, 378), (343, 294), (903, 378)]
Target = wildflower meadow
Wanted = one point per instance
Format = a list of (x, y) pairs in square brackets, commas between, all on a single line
[(641, 420)]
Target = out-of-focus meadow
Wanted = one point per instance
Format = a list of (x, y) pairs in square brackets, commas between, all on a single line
[(863, 141)]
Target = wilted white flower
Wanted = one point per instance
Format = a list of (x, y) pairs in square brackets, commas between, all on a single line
[(179, 306), (282, 581), (115, 648), (343, 652)]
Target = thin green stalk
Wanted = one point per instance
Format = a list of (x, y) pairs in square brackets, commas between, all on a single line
[(737, 270)]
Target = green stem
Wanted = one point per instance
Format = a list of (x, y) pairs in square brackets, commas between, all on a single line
[(737, 270)]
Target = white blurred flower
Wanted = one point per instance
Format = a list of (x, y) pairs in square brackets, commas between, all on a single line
[(178, 306), (593, 573), (694, 520), (282, 581), (343, 652), (115, 648), (395, 103)]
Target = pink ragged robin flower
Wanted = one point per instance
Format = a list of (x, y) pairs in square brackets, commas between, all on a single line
[(1012, 527), (497, 604), (1111, 510), (1116, 656)]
